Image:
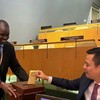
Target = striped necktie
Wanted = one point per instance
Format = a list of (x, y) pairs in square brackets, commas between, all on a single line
[(95, 92)]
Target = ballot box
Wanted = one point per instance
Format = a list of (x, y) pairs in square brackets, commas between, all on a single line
[(26, 91)]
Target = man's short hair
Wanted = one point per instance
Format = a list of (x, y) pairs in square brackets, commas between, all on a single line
[(96, 52), (6, 25)]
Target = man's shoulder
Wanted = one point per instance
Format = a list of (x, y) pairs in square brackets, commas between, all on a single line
[(8, 45)]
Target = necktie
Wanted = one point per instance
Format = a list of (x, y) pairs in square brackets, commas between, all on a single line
[(95, 92), (1, 53)]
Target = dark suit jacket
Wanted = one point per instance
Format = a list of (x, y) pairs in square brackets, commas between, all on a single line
[(10, 60), (80, 84)]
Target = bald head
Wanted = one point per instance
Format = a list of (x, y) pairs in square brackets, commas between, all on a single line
[(4, 31)]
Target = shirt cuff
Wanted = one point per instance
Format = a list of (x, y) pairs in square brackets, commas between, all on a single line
[(50, 79)]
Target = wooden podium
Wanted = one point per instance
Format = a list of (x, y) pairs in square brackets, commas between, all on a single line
[(26, 91)]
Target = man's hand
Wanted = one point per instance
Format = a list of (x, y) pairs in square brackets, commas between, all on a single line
[(8, 89), (41, 75)]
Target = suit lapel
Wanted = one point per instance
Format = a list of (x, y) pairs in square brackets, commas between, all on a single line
[(83, 86)]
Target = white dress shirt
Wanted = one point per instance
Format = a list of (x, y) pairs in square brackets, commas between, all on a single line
[(89, 91), (50, 79)]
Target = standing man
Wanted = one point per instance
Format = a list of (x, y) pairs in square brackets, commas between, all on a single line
[(8, 59), (88, 84)]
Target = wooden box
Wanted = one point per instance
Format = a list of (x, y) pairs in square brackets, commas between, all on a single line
[(26, 91)]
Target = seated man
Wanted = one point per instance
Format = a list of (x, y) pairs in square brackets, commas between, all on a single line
[(88, 84)]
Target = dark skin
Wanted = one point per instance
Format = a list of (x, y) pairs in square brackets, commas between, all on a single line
[(4, 36)]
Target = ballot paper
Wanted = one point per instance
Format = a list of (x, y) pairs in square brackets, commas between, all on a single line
[(32, 77)]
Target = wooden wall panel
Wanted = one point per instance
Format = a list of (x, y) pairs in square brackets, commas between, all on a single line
[(61, 62)]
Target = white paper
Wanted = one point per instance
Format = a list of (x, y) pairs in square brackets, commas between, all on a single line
[(32, 77)]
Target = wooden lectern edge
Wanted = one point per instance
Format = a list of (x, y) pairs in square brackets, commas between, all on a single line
[(65, 41)]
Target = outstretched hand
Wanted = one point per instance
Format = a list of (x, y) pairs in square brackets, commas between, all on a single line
[(41, 75), (8, 89)]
